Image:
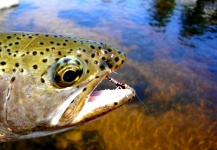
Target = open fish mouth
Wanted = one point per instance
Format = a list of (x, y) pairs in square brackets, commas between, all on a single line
[(97, 104), (103, 101)]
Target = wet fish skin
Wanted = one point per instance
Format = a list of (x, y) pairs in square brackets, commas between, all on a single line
[(35, 98)]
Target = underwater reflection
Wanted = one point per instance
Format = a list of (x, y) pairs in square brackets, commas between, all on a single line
[(199, 19), (162, 11)]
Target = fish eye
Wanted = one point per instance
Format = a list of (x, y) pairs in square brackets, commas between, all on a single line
[(70, 76), (68, 70)]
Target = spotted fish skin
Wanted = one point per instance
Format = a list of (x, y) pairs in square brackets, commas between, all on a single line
[(46, 79)]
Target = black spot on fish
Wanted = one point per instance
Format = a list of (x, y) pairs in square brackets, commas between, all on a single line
[(66, 60), (44, 60), (92, 55), (34, 53), (8, 37), (12, 79), (3, 63), (102, 67), (17, 64), (91, 46), (77, 62), (116, 59), (109, 50), (110, 66), (42, 80), (35, 66)]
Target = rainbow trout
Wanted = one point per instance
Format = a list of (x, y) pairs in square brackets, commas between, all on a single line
[(47, 83)]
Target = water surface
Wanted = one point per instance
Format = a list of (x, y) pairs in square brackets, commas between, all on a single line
[(172, 64)]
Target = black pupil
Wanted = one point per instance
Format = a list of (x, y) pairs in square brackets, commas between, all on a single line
[(70, 76)]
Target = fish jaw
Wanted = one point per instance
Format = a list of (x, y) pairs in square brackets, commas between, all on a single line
[(102, 102), (96, 105)]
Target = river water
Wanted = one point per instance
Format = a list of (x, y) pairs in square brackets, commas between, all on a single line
[(172, 63)]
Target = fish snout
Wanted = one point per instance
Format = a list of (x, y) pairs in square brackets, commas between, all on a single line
[(115, 58)]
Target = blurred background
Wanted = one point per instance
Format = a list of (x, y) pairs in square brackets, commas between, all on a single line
[(172, 64)]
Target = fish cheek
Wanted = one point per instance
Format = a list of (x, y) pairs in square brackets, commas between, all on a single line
[(29, 103), (20, 109)]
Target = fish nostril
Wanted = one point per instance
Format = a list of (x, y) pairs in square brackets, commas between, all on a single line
[(113, 58), (114, 62)]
